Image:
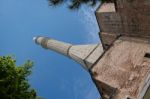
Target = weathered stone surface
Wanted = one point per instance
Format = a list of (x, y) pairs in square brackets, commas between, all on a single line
[(130, 18), (94, 56), (107, 39), (147, 95), (135, 15), (80, 52), (107, 7), (124, 69), (109, 21)]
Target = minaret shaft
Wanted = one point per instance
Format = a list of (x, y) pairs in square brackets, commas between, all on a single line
[(86, 55), (54, 45)]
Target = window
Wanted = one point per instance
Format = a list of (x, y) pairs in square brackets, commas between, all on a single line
[(147, 55)]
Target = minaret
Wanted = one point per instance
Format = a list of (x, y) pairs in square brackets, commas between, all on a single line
[(123, 71), (86, 55)]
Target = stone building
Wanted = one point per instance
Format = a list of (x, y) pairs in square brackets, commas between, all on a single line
[(120, 66)]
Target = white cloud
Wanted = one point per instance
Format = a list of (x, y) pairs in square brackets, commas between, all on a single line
[(88, 18)]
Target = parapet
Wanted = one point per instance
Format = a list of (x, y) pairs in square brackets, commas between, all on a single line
[(109, 22), (123, 18)]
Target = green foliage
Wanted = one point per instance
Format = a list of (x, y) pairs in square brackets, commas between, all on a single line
[(13, 79), (75, 4)]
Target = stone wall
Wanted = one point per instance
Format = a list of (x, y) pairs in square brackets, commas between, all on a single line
[(123, 72), (135, 15), (110, 22), (126, 17), (108, 19)]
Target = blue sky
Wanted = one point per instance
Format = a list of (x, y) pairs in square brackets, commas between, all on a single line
[(54, 76)]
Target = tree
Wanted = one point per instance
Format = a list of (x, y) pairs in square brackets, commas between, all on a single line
[(13, 79), (77, 3)]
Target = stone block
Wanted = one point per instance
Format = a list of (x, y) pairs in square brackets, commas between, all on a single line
[(108, 19)]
